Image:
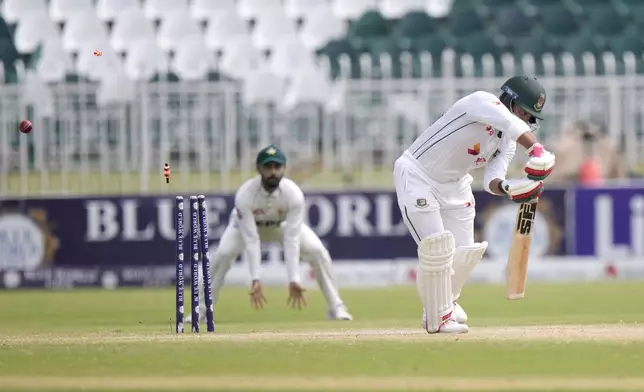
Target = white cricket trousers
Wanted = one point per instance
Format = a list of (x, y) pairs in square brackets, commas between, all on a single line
[(312, 251), (429, 207)]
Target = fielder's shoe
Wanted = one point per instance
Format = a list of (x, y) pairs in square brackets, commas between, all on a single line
[(448, 326), (458, 314), (339, 313)]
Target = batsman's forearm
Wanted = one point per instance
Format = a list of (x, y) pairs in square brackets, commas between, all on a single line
[(495, 187), (527, 139)]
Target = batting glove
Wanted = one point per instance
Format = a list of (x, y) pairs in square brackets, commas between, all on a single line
[(540, 164), (523, 190)]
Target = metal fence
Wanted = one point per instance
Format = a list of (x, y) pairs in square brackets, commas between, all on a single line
[(209, 134)]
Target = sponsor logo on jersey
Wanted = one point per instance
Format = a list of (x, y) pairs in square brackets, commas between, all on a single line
[(421, 203), (480, 161), (475, 150)]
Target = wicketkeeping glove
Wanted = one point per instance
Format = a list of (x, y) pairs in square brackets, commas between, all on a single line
[(522, 190), (540, 164)]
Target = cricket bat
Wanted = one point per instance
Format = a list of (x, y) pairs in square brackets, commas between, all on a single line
[(517, 264), (516, 269)]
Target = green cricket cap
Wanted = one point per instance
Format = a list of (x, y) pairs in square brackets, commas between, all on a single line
[(271, 154)]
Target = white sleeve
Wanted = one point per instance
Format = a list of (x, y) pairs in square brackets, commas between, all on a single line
[(248, 230), (292, 231), (489, 110), (497, 167)]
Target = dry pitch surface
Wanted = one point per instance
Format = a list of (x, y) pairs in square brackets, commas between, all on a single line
[(547, 333), (618, 333), (301, 383)]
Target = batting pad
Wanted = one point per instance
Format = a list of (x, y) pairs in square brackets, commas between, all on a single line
[(433, 281), (465, 260)]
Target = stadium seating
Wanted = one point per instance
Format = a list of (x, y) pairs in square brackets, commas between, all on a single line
[(286, 66), (129, 27), (345, 38), (32, 30), (64, 10), (224, 28), (514, 21), (14, 10), (107, 10)]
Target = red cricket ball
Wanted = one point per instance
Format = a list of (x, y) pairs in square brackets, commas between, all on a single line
[(25, 126)]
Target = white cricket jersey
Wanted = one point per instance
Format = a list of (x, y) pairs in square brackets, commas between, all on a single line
[(259, 214), (474, 130)]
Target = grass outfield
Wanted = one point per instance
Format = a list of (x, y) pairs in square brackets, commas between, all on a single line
[(560, 337)]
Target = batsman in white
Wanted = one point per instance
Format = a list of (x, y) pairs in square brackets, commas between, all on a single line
[(270, 208), (433, 187)]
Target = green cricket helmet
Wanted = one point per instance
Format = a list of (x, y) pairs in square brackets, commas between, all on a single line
[(526, 92)]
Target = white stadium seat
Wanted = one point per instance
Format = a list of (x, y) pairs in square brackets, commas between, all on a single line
[(82, 30), (130, 26), (108, 9), (272, 28), (288, 57), (303, 8), (98, 68), (190, 61), (439, 8), (174, 28), (14, 10), (224, 27), (352, 9), (144, 60), (205, 9), (249, 9), (398, 8), (32, 29), (54, 62), (321, 26), (159, 9), (62, 10), (241, 58)]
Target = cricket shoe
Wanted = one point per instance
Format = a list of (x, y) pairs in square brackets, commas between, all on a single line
[(339, 313), (458, 314), (448, 326)]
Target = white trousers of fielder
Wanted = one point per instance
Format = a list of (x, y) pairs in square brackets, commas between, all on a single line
[(440, 218), (312, 251)]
